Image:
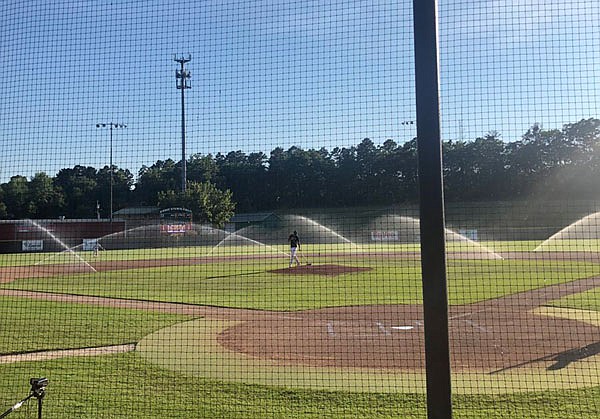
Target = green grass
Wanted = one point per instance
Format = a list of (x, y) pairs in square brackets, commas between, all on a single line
[(241, 284), (128, 386), (471, 281), (571, 245), (125, 386), (26, 259), (249, 284), (511, 246), (22, 259), (589, 300), (32, 325)]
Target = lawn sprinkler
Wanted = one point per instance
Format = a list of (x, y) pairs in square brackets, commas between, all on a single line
[(38, 390)]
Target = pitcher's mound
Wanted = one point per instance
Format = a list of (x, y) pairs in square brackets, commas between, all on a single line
[(330, 270)]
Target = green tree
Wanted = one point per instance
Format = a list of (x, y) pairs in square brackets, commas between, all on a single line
[(201, 168), (16, 197), (344, 180), (584, 136), (490, 167), (300, 178), (475, 170), (207, 203), (277, 176), (366, 177), (393, 170), (46, 200), (122, 186), (245, 175), (3, 209), (408, 163), (161, 176), (80, 188), (573, 157)]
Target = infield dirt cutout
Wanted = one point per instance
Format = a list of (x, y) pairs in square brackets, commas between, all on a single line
[(380, 349), (509, 344)]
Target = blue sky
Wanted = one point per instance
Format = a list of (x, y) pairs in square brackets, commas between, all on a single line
[(277, 73)]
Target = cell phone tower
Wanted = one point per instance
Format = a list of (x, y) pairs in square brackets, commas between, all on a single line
[(182, 77)]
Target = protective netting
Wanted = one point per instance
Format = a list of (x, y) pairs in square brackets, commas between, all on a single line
[(277, 273)]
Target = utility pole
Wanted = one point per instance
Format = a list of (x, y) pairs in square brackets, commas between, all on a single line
[(181, 77)]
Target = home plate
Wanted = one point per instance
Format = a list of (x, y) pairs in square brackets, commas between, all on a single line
[(402, 327)]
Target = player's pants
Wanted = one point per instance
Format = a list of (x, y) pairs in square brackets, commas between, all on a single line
[(293, 256)]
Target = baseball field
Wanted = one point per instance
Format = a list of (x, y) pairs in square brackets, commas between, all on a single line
[(233, 331)]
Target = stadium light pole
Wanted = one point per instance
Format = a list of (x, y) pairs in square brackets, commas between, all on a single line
[(181, 77), (110, 126)]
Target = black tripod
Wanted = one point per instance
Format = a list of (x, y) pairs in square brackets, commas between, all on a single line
[(38, 390)]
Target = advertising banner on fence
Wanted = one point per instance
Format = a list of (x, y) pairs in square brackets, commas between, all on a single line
[(385, 236), (470, 234), (32, 245), (175, 228), (90, 244)]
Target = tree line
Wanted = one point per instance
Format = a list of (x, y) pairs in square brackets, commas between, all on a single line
[(556, 163)]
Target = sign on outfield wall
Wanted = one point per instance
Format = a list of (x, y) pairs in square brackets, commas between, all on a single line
[(90, 244), (470, 234), (385, 236), (32, 245), (175, 228)]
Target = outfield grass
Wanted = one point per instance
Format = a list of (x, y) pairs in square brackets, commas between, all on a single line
[(562, 245), (249, 284), (570, 245), (78, 256)]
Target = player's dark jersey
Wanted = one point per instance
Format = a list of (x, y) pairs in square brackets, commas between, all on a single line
[(294, 240)]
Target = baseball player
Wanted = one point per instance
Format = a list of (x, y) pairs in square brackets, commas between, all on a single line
[(294, 246)]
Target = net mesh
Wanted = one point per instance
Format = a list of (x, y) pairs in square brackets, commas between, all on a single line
[(277, 273)]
